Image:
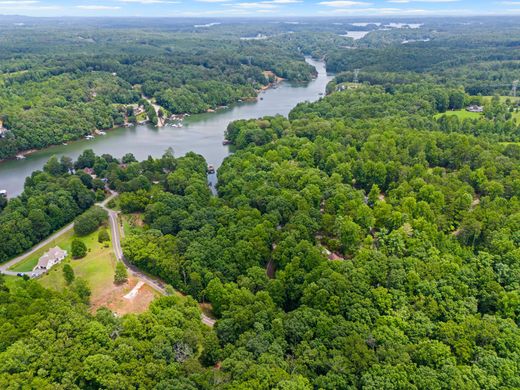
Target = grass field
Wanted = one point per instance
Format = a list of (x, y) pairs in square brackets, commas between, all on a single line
[(487, 99), (461, 114), (64, 242), (97, 267)]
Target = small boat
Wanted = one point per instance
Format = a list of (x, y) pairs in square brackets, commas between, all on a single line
[(226, 142), (211, 169), (89, 137), (102, 133), (20, 157), (64, 144)]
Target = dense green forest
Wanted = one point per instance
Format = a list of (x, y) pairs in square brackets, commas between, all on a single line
[(371, 240), (392, 244), (58, 84), (50, 341), (480, 54), (51, 199)]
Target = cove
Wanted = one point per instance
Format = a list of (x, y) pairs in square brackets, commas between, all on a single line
[(202, 134)]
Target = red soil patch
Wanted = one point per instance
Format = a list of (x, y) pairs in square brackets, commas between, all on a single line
[(113, 298)]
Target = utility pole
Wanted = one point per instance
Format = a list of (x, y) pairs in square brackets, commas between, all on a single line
[(515, 86), (356, 76)]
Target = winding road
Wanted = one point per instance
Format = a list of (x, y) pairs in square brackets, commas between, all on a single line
[(155, 283), (4, 268), (113, 220)]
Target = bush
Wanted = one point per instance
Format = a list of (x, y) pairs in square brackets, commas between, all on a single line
[(68, 273), (103, 236), (89, 221), (79, 249), (121, 275), (100, 195), (81, 288)]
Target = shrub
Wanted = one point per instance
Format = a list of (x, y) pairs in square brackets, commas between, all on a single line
[(89, 221), (68, 273), (121, 275), (79, 249), (103, 236)]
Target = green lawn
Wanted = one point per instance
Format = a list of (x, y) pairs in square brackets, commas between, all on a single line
[(97, 267), (27, 265), (487, 99), (461, 114), (10, 281)]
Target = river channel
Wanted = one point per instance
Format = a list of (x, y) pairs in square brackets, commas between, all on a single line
[(202, 133)]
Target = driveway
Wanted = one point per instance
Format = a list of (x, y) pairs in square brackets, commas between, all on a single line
[(4, 268)]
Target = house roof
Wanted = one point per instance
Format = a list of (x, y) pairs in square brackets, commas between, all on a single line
[(52, 254)]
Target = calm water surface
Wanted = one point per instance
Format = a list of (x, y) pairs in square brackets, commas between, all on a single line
[(202, 133)]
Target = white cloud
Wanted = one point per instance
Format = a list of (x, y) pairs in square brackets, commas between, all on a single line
[(25, 5), (421, 1), (342, 3), (28, 2), (149, 1), (97, 7), (283, 1), (254, 5)]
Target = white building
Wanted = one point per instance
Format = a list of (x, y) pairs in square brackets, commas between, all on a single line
[(475, 108), (51, 258)]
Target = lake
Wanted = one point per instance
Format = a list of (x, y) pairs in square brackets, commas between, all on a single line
[(201, 133)]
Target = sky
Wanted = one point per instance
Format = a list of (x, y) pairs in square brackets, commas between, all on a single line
[(266, 8)]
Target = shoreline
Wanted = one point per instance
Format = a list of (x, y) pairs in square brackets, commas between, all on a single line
[(28, 152)]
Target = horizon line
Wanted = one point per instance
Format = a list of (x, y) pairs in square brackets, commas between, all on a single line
[(426, 16)]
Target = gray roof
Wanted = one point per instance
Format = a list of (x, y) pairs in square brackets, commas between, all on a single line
[(52, 254)]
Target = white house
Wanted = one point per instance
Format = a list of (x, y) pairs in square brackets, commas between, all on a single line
[(475, 108), (51, 258)]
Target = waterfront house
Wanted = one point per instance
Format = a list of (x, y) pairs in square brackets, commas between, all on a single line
[(90, 171)]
